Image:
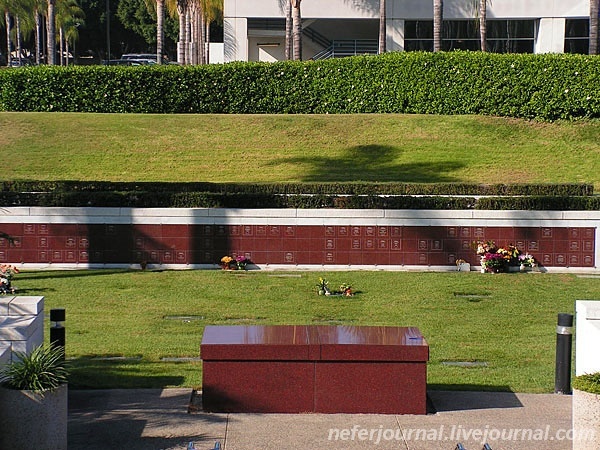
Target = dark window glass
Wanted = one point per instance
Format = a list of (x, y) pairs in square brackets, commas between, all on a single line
[(577, 36), (266, 24), (577, 28), (418, 29), (503, 36)]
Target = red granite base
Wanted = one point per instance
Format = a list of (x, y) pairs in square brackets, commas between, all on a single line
[(296, 369)]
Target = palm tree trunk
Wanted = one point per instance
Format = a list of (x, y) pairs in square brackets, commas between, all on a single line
[(61, 40), (207, 43), (438, 17), (160, 18), (51, 41), (594, 11), (181, 11), (382, 27), (18, 32), (297, 29), (483, 24), (8, 43), (188, 36), (289, 48), (201, 29), (38, 36)]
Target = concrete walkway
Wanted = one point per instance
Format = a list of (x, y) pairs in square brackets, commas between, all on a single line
[(172, 418)]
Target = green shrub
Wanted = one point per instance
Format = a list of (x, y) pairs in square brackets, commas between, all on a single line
[(43, 369), (546, 87), (588, 383)]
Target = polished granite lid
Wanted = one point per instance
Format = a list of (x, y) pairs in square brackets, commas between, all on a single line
[(314, 342)]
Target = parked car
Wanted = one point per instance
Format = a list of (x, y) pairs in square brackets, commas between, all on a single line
[(127, 62), (144, 57), (20, 63)]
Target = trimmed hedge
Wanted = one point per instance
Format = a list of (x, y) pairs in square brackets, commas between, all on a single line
[(546, 87), (349, 188), (144, 199)]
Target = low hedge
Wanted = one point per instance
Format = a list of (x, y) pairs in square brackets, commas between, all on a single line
[(546, 87), (349, 188), (165, 199)]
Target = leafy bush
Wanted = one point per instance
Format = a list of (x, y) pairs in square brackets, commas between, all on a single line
[(545, 87), (588, 383)]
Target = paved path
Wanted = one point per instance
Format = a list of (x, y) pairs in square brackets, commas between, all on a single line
[(159, 419)]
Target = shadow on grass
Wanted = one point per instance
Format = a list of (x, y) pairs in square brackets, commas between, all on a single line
[(372, 163), (122, 373), (45, 274), (461, 397)]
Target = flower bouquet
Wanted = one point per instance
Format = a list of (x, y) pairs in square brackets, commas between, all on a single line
[(323, 287), (241, 262), (7, 273), (227, 262)]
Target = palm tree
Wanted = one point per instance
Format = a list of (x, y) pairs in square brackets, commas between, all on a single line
[(297, 29), (382, 27), (483, 24), (38, 7), (69, 16), (181, 6), (438, 17), (5, 5), (213, 10), (289, 48), (594, 12), (160, 32), (51, 32)]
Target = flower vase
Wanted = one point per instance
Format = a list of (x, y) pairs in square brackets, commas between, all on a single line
[(522, 268), (483, 270)]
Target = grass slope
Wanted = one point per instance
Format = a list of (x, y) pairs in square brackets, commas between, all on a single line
[(267, 148), (136, 318)]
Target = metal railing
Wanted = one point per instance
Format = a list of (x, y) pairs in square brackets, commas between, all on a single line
[(348, 47), (317, 37)]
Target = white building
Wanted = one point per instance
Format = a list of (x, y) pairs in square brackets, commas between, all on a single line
[(254, 30)]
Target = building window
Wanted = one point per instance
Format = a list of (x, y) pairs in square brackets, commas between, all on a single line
[(577, 36), (418, 35), (266, 24), (503, 36), (511, 36)]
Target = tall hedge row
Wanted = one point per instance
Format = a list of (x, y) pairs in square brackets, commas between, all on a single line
[(546, 87)]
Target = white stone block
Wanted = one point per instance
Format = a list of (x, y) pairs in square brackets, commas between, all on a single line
[(20, 328), (4, 302), (587, 336), (34, 341), (22, 305), (5, 353)]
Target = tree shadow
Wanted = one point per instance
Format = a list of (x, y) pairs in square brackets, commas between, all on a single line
[(40, 275), (371, 162), (88, 372), (454, 397)]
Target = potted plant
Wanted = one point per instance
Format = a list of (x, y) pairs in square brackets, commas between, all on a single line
[(586, 412), (33, 398)]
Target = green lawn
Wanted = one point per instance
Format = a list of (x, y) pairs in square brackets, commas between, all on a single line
[(267, 148), (121, 323)]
